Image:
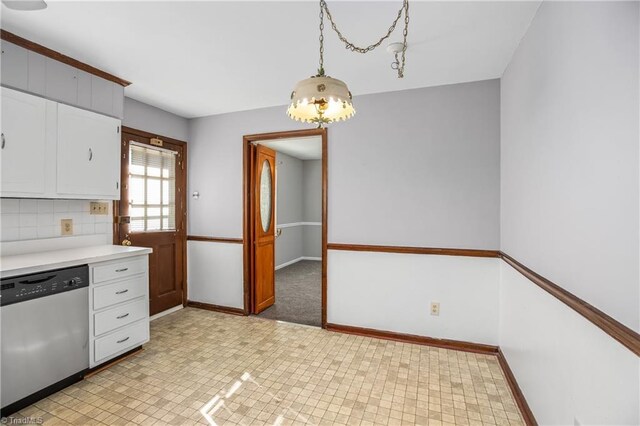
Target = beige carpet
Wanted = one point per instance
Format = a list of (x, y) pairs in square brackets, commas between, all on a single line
[(298, 294)]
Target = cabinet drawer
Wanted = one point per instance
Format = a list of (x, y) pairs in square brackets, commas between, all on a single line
[(120, 341), (120, 269), (119, 292), (120, 316)]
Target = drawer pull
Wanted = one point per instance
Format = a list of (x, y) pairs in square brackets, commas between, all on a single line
[(122, 291), (123, 340), (122, 270), (123, 316)]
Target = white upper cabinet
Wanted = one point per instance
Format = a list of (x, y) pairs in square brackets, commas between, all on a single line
[(24, 144), (40, 75), (52, 150), (15, 65), (88, 151), (61, 82)]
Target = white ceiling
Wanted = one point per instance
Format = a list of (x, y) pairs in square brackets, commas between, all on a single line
[(202, 58), (309, 148)]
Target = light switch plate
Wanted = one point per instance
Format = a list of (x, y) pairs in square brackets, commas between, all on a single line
[(98, 208), (66, 226)]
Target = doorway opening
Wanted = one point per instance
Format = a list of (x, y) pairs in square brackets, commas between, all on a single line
[(285, 226)]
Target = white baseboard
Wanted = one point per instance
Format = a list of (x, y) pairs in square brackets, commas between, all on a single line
[(167, 312), (292, 224), (291, 262)]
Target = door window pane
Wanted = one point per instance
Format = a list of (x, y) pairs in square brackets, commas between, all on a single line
[(265, 196), (152, 181)]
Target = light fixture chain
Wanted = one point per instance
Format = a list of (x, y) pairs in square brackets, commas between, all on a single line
[(321, 68), (404, 35), (352, 46)]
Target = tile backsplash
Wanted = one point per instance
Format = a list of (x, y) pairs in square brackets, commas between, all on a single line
[(30, 219)]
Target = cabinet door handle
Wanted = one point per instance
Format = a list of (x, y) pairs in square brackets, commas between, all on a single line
[(122, 291), (3, 141), (123, 316), (122, 270), (123, 340), (90, 154)]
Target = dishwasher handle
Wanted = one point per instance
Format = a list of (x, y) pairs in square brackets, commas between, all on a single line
[(38, 281)]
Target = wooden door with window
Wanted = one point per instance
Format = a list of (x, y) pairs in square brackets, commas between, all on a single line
[(152, 212), (263, 206)]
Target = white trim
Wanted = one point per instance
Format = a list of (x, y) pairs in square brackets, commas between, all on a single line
[(167, 312), (292, 224), (291, 262)]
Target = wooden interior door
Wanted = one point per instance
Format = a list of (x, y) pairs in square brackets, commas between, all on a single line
[(152, 211), (263, 207)]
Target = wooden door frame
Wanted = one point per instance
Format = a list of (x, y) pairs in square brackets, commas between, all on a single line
[(182, 228), (247, 193)]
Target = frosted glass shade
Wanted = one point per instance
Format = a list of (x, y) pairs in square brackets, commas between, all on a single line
[(320, 99)]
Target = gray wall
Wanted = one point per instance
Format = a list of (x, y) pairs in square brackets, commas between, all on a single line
[(570, 111), (289, 201), (299, 192), (312, 208), (145, 117), (312, 191), (570, 153), (289, 245), (417, 167)]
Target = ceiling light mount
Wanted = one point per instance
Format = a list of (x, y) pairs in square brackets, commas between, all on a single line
[(396, 49), (321, 99)]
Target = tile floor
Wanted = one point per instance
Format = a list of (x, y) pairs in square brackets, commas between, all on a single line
[(203, 367)]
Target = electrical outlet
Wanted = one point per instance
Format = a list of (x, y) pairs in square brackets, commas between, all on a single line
[(66, 226), (435, 308), (97, 208)]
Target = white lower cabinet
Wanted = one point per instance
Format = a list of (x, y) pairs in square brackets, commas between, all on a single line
[(120, 341), (118, 307), (118, 292)]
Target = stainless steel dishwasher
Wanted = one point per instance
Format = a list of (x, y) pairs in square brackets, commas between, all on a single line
[(44, 319)]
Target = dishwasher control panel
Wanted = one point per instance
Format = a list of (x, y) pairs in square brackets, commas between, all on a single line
[(33, 286)]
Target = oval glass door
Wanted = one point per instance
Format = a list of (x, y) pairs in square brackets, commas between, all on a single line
[(265, 196)]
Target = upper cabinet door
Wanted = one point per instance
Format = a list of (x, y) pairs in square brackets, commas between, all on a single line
[(88, 154), (23, 144), (61, 82), (15, 66)]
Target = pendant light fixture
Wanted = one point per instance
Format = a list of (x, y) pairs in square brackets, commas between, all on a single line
[(321, 99), (25, 4)]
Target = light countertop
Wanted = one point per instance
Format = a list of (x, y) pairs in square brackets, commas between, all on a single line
[(29, 263)]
